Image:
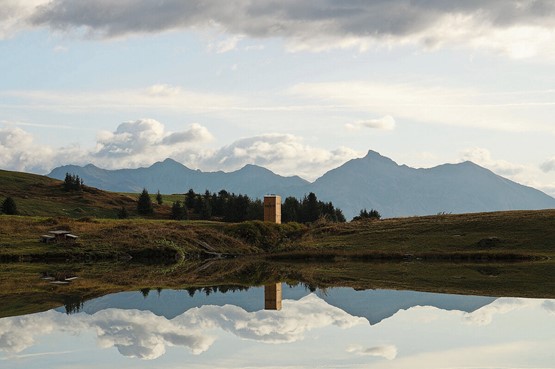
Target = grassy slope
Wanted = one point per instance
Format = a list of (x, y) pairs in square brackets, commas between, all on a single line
[(37, 195)]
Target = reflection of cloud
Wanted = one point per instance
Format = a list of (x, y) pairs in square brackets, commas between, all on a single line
[(141, 334), (388, 352), (287, 325), (19, 333), (484, 315), (144, 335), (549, 305)]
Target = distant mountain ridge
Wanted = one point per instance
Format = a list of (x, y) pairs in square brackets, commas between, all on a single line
[(373, 181)]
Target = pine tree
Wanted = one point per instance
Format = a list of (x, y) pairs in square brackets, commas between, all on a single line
[(159, 199), (178, 211), (144, 204), (9, 207)]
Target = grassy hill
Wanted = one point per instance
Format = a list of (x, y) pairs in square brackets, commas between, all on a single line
[(37, 195)]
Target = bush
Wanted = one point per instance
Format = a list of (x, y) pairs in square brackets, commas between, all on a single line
[(9, 207)]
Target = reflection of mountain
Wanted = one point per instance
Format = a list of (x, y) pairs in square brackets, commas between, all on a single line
[(374, 305), (377, 305)]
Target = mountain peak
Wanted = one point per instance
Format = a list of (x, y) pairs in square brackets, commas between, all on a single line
[(376, 156)]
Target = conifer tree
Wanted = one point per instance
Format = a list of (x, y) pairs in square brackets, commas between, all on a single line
[(9, 207), (144, 204)]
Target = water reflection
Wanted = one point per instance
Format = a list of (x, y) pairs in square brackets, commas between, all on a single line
[(336, 327)]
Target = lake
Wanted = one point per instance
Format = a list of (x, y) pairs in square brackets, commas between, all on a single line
[(283, 326)]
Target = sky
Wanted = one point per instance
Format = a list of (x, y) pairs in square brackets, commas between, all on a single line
[(299, 87)]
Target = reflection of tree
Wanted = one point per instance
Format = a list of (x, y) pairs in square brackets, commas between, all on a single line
[(73, 304), (145, 292)]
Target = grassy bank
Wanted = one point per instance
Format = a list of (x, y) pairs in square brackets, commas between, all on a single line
[(22, 289), (501, 236)]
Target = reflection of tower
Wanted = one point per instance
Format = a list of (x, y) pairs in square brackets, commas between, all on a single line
[(272, 297), (272, 208)]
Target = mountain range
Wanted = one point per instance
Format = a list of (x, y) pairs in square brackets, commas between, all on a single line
[(371, 182)]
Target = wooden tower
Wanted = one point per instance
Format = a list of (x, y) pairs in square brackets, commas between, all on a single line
[(272, 208)]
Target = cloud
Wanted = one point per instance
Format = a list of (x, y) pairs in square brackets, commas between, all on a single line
[(548, 165), (285, 154), (14, 15), (388, 352), (18, 151), (385, 123), (485, 315), (517, 28), (160, 96), (144, 335), (483, 157), (145, 141), (428, 103)]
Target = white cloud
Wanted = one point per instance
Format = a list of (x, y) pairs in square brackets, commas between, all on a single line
[(388, 352), (485, 315), (14, 15), (385, 123), (19, 152), (427, 103), (145, 141), (282, 153), (160, 96), (483, 157)]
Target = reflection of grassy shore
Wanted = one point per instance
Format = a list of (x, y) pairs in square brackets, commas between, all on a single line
[(469, 254), (23, 290)]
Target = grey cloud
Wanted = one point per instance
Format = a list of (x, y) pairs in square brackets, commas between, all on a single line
[(288, 18), (548, 165)]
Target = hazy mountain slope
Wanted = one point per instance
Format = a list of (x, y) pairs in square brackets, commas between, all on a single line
[(170, 176), (373, 181), (378, 182)]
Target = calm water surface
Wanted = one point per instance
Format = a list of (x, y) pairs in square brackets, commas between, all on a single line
[(333, 328)]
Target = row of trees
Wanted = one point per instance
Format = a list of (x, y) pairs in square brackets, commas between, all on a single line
[(230, 207), (72, 182)]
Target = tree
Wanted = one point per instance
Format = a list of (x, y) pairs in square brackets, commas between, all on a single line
[(144, 204), (178, 211), (72, 182), (190, 199), (9, 207), (159, 199), (365, 214), (290, 210)]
